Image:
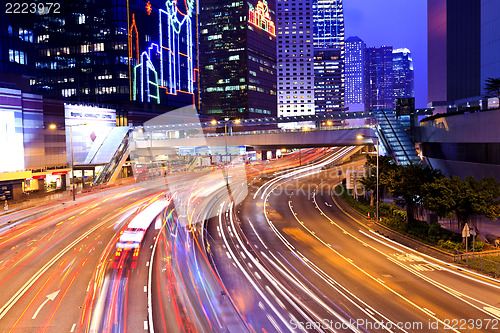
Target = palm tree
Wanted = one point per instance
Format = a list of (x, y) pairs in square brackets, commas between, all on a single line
[(493, 86)]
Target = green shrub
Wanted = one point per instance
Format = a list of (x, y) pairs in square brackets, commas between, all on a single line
[(434, 232), (401, 214), (479, 244), (449, 245), (386, 209)]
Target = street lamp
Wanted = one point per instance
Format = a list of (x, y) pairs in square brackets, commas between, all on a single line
[(226, 121), (72, 166), (376, 137)]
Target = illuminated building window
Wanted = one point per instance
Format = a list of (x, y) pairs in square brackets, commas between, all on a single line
[(98, 47), (81, 18)]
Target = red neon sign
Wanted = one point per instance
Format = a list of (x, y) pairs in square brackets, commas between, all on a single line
[(260, 17), (148, 8)]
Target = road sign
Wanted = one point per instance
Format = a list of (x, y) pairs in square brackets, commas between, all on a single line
[(473, 231), (352, 177), (466, 231)]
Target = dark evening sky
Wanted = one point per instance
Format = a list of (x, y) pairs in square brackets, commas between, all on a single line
[(396, 23)]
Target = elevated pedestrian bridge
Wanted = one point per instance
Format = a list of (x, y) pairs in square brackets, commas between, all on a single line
[(258, 139), (169, 134)]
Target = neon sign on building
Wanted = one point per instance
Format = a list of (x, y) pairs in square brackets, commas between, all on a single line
[(260, 17), (168, 64)]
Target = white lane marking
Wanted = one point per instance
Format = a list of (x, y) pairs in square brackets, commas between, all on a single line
[(274, 323), (254, 285), (145, 325), (150, 278), (13, 300), (147, 263), (461, 296), (145, 289), (73, 328), (494, 311), (429, 311), (445, 264), (381, 282), (256, 234), (50, 297)]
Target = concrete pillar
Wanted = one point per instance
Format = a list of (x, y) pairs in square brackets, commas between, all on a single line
[(264, 155), (17, 191), (64, 181), (41, 185)]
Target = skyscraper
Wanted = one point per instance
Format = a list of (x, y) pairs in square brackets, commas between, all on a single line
[(490, 40), (402, 67), (380, 78), (295, 57), (328, 24), (328, 55), (454, 44), (16, 51), (328, 83), (238, 58), (355, 74)]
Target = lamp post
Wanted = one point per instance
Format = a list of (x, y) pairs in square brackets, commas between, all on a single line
[(226, 121), (72, 160), (225, 138), (376, 137)]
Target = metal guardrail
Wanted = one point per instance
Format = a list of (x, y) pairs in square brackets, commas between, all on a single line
[(477, 262)]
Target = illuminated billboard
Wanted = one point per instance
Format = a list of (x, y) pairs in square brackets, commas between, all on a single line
[(11, 141), (260, 17), (166, 67), (86, 124)]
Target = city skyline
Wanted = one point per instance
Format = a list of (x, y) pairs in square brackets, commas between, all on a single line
[(363, 19)]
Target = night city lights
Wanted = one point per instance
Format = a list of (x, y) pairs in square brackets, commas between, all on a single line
[(250, 166)]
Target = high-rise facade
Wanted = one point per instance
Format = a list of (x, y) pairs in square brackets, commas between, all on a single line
[(490, 41), (328, 24), (355, 74), (295, 57), (310, 32), (380, 78), (402, 67), (328, 83), (116, 51), (453, 48), (329, 38), (238, 58), (16, 51)]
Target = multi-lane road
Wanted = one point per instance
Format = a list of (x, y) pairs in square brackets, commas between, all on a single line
[(271, 252), (306, 263)]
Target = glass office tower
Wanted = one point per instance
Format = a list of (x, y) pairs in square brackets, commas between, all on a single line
[(238, 58), (355, 73), (402, 67)]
